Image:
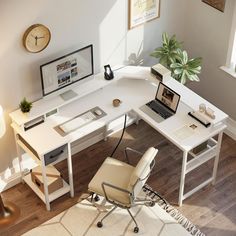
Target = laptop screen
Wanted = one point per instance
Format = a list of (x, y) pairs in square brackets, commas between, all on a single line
[(167, 97)]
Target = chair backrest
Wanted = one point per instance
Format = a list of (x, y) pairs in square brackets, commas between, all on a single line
[(142, 171)]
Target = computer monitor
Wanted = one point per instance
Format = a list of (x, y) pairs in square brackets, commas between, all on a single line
[(61, 74)]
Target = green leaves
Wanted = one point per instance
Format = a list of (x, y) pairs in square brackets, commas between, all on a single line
[(171, 56), (184, 69), (25, 106), (168, 52)]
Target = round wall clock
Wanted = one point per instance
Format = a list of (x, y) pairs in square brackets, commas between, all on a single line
[(36, 38)]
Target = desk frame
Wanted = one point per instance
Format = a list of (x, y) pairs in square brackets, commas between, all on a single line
[(100, 88)]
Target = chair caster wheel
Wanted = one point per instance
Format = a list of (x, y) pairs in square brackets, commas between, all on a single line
[(96, 198), (136, 229), (152, 204), (99, 224)]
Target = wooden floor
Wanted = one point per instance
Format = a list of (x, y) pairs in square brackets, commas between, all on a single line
[(212, 209)]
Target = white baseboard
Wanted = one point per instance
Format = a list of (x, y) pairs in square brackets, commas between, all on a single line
[(231, 128)]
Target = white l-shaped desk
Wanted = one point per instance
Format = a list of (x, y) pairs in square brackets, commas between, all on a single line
[(134, 86)]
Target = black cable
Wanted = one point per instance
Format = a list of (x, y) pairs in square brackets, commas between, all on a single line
[(123, 131)]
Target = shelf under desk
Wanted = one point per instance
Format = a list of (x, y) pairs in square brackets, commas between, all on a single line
[(52, 196)]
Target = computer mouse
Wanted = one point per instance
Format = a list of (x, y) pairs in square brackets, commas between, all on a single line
[(97, 112)]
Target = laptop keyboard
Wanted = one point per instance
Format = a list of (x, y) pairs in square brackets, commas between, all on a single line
[(158, 108)]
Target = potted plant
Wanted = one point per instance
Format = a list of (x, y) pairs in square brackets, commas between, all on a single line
[(176, 60), (25, 106), (184, 69), (168, 52)]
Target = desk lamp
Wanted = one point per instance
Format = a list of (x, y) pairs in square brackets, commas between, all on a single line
[(8, 212)]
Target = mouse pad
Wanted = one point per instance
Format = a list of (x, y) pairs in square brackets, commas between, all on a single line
[(93, 110)]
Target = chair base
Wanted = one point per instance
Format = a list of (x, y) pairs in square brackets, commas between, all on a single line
[(138, 201), (100, 224), (94, 197), (9, 214)]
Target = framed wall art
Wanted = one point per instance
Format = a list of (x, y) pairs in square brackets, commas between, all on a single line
[(218, 4), (141, 11)]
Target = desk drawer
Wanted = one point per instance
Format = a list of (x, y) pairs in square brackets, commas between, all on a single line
[(54, 155), (35, 154)]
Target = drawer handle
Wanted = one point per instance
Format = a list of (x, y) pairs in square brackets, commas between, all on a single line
[(53, 156)]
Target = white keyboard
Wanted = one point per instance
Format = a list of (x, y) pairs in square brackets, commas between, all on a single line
[(78, 122)]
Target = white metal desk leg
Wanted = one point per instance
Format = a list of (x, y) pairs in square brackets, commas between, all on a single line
[(105, 132), (182, 179), (137, 120), (45, 183), (70, 170), (19, 155), (217, 157)]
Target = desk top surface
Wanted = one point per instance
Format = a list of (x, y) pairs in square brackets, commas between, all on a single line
[(134, 86)]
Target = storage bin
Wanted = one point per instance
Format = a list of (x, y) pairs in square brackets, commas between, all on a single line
[(54, 179)]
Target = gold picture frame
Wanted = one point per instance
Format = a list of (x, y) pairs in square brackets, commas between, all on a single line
[(217, 4), (141, 11)]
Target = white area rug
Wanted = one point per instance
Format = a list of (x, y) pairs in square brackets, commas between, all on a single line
[(82, 218)]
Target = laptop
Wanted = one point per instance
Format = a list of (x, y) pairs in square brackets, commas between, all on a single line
[(164, 105)]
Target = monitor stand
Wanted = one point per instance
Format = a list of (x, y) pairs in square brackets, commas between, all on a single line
[(68, 95)]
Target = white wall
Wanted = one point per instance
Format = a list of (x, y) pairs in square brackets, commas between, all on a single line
[(207, 33), (73, 24)]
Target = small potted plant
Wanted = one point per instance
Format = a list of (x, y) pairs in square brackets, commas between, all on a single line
[(172, 56), (25, 106)]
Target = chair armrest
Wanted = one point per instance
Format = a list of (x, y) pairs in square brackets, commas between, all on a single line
[(105, 185), (131, 150)]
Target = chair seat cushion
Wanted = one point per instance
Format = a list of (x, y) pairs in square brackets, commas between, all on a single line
[(114, 172)]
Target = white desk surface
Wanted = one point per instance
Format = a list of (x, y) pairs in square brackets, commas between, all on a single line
[(134, 86)]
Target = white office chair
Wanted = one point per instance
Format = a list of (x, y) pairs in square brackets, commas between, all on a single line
[(120, 183)]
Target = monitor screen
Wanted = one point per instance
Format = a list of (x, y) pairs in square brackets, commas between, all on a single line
[(67, 70)]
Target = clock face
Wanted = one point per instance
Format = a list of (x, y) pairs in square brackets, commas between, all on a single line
[(36, 38)]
